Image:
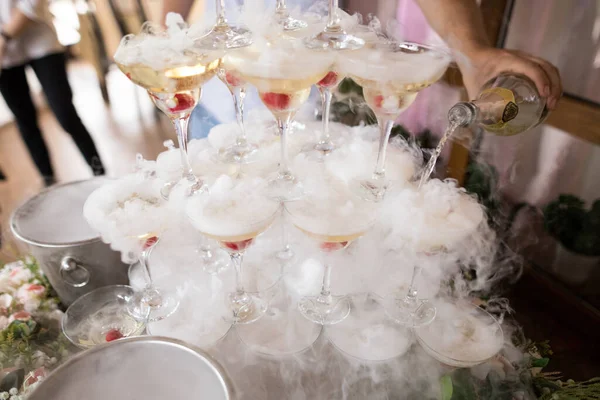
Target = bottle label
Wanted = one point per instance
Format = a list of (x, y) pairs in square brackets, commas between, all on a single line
[(510, 111)]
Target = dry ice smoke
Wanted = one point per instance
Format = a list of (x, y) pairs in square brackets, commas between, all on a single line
[(438, 227)]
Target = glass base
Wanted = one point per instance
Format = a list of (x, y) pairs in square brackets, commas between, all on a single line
[(368, 334), (225, 37), (318, 151), (151, 304), (281, 332), (239, 154), (373, 189), (322, 312), (246, 308), (284, 187), (410, 313), (289, 23), (337, 40), (286, 254)]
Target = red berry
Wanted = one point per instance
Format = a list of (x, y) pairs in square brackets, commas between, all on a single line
[(128, 75), (151, 241), (183, 102), (238, 246), (379, 101), (113, 334), (330, 80), (232, 79), (276, 101), (333, 246)]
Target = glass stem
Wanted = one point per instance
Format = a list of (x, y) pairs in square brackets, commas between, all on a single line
[(326, 96), (411, 296), (221, 17), (281, 8), (284, 233), (181, 127), (384, 137), (144, 256), (325, 295), (333, 21), (284, 128), (236, 259), (239, 94)]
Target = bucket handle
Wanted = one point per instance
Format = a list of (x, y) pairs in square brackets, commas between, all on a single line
[(73, 273)]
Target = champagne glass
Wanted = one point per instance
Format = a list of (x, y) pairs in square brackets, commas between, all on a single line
[(234, 213), (324, 144), (130, 213), (241, 151), (334, 218), (283, 73), (223, 35), (436, 220), (391, 74), (173, 79), (284, 18), (333, 36)]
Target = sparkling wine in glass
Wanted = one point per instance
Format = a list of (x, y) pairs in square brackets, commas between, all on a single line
[(333, 221), (175, 87), (391, 74), (283, 76), (234, 219), (333, 36), (132, 213)]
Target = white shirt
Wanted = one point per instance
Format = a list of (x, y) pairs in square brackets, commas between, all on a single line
[(37, 40)]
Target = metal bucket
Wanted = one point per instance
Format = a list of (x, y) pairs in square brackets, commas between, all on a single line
[(146, 367), (70, 253)]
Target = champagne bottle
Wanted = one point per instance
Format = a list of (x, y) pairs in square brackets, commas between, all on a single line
[(506, 105)]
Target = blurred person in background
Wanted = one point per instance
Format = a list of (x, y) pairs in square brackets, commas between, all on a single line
[(27, 38)]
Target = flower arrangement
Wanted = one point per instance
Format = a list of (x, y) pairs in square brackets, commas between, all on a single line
[(31, 341)]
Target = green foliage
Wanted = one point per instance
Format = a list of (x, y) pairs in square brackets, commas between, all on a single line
[(481, 179), (576, 228), (447, 388)]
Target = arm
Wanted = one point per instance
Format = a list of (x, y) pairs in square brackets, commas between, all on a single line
[(13, 28), (460, 24), (182, 7)]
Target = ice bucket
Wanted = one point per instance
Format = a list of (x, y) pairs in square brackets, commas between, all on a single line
[(69, 252), (146, 367)]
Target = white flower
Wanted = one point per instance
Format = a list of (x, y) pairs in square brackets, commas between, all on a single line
[(5, 300), (30, 295), (3, 323), (20, 275), (40, 358), (13, 391), (4, 395)]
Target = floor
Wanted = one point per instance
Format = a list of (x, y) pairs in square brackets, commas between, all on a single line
[(130, 125)]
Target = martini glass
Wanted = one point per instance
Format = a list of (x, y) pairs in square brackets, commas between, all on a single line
[(334, 219), (284, 18), (283, 74), (174, 88), (391, 74), (223, 35), (333, 36), (234, 218)]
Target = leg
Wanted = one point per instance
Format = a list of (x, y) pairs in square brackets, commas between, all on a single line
[(15, 90), (52, 74)]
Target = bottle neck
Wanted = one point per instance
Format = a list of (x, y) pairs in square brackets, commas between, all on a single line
[(463, 114)]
